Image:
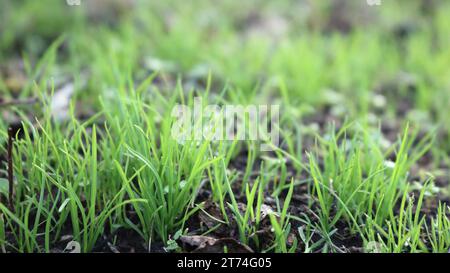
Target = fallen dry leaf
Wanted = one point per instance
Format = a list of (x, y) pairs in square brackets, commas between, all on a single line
[(73, 247), (61, 101), (205, 244)]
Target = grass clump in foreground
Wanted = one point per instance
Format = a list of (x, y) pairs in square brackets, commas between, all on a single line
[(363, 160)]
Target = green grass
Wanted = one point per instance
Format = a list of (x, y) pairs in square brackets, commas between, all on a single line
[(364, 126)]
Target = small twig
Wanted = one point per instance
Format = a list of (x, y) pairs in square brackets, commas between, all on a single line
[(10, 166), (12, 102)]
